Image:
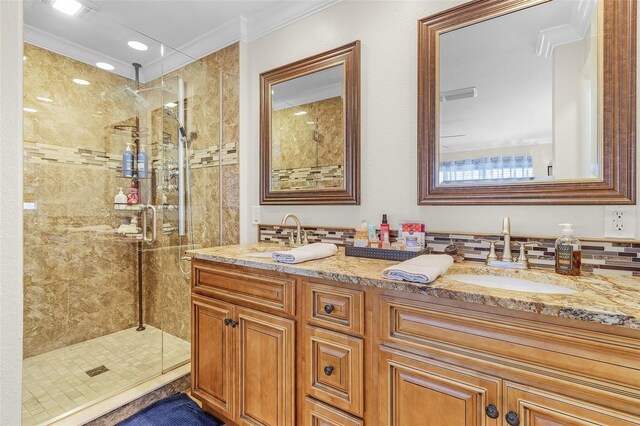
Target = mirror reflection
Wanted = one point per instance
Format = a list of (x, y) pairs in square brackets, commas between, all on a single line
[(307, 136), (519, 97)]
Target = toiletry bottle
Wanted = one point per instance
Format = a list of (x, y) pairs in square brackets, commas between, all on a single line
[(120, 200), (127, 162), (385, 242), (133, 197), (142, 163), (384, 228), (568, 252), (361, 239)]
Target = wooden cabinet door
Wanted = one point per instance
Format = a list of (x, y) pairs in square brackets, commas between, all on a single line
[(211, 354), (265, 369), (420, 391), (529, 406)]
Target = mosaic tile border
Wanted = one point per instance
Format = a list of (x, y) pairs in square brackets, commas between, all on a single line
[(602, 257), (330, 176), (43, 153)]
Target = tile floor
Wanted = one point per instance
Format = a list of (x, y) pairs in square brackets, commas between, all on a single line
[(56, 382)]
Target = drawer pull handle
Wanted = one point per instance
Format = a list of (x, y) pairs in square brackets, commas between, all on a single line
[(492, 412), (227, 321), (234, 324), (328, 370), (328, 308), (512, 418)]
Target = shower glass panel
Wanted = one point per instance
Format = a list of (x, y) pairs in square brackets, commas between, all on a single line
[(106, 291)]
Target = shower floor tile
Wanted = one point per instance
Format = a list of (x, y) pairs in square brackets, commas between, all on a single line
[(57, 381)]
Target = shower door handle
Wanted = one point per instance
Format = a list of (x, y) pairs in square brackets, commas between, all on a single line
[(154, 222)]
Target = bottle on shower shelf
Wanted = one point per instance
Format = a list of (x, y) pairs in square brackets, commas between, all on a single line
[(133, 197), (127, 162), (142, 163)]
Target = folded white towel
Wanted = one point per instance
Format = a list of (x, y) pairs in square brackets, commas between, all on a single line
[(305, 253), (421, 269)]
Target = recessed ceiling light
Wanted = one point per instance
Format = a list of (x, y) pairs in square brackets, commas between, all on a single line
[(137, 45), (300, 113), (24, 58), (68, 7), (105, 66), (171, 104), (81, 82), (29, 110), (42, 99)]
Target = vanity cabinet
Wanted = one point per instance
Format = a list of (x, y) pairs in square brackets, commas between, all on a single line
[(243, 359), (271, 348)]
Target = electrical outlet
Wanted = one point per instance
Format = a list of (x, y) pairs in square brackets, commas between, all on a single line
[(255, 215), (620, 222)]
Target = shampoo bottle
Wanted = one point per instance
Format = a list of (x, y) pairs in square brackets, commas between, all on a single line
[(127, 162), (568, 252), (142, 163)]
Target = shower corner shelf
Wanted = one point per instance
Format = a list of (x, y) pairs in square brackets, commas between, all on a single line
[(128, 207)]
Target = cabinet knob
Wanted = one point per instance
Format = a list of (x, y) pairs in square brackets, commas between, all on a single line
[(227, 321), (328, 370), (491, 411), (234, 324), (328, 308), (512, 418)]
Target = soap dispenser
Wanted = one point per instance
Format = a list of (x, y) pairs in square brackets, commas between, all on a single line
[(568, 252), (120, 200)]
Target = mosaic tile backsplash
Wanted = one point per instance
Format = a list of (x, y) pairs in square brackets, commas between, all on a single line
[(598, 256)]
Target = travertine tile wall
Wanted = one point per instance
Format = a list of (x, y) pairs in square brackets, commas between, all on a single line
[(78, 283), (167, 291), (598, 256), (293, 141)]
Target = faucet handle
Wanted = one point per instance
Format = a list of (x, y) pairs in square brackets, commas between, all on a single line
[(305, 240), (522, 258), (492, 249)]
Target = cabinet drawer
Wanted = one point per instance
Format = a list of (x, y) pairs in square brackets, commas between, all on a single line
[(318, 414), (334, 374), (335, 308), (261, 291), (596, 356)]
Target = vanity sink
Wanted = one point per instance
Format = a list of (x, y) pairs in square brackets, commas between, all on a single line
[(510, 283)]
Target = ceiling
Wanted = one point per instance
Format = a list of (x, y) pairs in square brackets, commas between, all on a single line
[(515, 85), (186, 29)]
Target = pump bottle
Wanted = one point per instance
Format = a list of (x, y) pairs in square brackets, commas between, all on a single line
[(568, 252)]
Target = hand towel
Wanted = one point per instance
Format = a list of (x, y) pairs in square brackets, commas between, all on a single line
[(421, 269), (305, 253)]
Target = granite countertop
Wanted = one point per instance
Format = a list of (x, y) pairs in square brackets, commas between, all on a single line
[(610, 300)]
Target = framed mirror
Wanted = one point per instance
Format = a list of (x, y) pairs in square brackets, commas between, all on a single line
[(528, 102), (310, 130)]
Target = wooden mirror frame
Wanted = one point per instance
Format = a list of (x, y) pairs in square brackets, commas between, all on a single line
[(617, 106), (349, 55)]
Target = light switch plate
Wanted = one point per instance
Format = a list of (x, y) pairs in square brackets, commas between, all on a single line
[(255, 215), (620, 222)]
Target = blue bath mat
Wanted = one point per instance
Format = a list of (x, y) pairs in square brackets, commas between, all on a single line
[(176, 410)]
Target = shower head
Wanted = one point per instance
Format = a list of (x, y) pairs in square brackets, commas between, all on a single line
[(133, 96), (168, 112)]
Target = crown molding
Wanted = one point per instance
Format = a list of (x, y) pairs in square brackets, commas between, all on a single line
[(75, 51), (282, 14), (245, 29), (574, 30)]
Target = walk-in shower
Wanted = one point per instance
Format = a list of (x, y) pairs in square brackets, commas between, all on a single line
[(106, 292)]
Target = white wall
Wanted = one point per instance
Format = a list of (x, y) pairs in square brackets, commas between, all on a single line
[(10, 212), (388, 32)]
